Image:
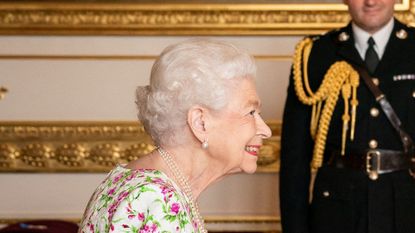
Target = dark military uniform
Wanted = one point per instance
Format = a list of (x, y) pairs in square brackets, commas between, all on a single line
[(345, 200)]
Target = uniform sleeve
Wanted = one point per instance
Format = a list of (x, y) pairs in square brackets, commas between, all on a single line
[(296, 150), (151, 208)]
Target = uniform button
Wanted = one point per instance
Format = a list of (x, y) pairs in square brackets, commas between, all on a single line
[(373, 144), (375, 81), (326, 193), (374, 112)]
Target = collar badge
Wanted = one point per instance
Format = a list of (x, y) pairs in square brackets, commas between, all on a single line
[(401, 34), (343, 36)]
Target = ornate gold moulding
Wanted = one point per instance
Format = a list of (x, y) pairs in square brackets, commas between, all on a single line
[(272, 223), (90, 146), (112, 18)]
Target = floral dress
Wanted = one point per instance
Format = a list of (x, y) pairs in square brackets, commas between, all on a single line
[(143, 200)]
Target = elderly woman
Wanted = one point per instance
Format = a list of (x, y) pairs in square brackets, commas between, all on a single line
[(203, 112)]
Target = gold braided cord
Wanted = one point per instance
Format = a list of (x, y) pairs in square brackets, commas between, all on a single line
[(305, 54), (354, 81), (316, 107), (346, 93), (340, 77)]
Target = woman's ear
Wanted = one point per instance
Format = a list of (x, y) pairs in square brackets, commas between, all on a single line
[(197, 118)]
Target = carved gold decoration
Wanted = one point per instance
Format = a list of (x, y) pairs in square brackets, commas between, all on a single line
[(8, 156), (71, 155), (259, 219), (137, 150), (111, 18), (268, 160), (36, 155), (3, 92), (106, 155), (90, 146)]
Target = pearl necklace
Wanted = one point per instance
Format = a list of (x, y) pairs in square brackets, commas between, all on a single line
[(184, 184)]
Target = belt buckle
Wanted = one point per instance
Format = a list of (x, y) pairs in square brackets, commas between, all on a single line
[(373, 173)]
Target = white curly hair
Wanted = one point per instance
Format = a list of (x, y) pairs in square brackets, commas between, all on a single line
[(197, 71)]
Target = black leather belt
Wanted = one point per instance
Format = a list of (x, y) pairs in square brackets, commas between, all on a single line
[(384, 161), (374, 162)]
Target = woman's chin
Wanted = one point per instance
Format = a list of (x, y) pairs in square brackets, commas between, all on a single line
[(251, 169)]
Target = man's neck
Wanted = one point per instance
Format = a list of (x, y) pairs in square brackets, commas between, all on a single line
[(381, 38)]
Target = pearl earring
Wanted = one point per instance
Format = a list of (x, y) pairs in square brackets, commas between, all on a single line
[(205, 144)]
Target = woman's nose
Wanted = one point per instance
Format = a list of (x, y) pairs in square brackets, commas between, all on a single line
[(263, 129)]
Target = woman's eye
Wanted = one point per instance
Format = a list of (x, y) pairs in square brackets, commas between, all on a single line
[(252, 112)]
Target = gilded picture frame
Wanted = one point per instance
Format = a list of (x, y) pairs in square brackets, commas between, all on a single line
[(86, 17)]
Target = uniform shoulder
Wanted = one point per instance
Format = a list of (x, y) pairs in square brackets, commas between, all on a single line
[(399, 24), (334, 36), (330, 38), (411, 31)]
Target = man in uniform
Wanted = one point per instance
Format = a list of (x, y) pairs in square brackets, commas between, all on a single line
[(364, 160)]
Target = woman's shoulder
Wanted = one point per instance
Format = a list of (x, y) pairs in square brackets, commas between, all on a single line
[(124, 182)]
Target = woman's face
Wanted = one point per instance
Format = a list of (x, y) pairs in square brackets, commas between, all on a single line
[(238, 130)]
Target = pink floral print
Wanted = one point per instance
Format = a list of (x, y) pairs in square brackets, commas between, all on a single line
[(137, 201)]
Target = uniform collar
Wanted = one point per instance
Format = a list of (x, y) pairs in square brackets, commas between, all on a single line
[(381, 38)]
